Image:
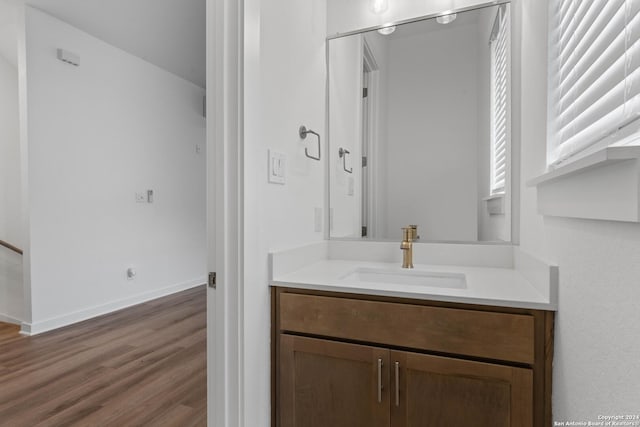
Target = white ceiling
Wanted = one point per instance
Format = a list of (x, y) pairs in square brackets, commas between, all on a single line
[(167, 33)]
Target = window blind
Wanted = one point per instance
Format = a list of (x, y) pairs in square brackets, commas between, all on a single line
[(499, 42), (594, 73)]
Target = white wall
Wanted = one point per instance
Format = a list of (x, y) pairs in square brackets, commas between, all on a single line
[(345, 131), (596, 370), (10, 202), (284, 87), (97, 134), (426, 140), (349, 15)]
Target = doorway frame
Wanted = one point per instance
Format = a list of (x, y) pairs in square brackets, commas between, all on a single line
[(225, 210), (374, 153)]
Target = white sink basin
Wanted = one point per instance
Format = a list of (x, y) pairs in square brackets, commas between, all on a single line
[(407, 277)]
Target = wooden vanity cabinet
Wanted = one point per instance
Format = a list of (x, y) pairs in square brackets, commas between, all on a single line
[(356, 360), (330, 383), (446, 391)]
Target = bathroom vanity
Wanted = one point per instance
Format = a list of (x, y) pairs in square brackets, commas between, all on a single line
[(351, 349), (419, 132), (359, 360)]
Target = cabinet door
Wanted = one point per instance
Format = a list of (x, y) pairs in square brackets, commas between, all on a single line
[(325, 383), (443, 391)]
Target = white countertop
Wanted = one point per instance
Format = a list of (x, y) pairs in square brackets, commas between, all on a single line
[(505, 287)]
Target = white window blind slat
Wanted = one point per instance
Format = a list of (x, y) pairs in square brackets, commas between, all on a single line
[(580, 28), (576, 29), (594, 74), (632, 108), (600, 115), (632, 85), (582, 82), (586, 137), (599, 39), (568, 11), (633, 7), (608, 90), (601, 51)]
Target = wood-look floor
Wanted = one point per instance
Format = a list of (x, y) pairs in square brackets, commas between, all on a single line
[(142, 366)]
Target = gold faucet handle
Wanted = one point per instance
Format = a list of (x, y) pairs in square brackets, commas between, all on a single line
[(414, 232)]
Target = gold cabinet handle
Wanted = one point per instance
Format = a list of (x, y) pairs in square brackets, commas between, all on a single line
[(379, 380), (397, 383)]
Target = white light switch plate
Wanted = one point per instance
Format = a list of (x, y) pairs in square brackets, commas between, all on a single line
[(277, 167)]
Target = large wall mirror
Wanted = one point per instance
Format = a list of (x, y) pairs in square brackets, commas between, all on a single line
[(419, 129)]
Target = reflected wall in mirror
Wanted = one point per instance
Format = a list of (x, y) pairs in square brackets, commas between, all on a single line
[(419, 129)]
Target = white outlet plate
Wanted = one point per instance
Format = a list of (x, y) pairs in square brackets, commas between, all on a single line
[(277, 167), (350, 186)]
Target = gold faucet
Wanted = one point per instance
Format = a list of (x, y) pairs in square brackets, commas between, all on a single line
[(407, 246)]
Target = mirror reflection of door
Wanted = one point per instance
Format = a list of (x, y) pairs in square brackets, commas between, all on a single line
[(365, 143), (369, 125)]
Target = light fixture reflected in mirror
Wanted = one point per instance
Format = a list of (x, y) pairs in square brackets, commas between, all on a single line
[(379, 6), (446, 19), (385, 31)]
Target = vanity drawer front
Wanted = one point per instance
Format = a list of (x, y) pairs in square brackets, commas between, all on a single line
[(499, 336)]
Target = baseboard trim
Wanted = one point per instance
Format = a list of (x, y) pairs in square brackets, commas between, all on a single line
[(8, 319), (89, 313)]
